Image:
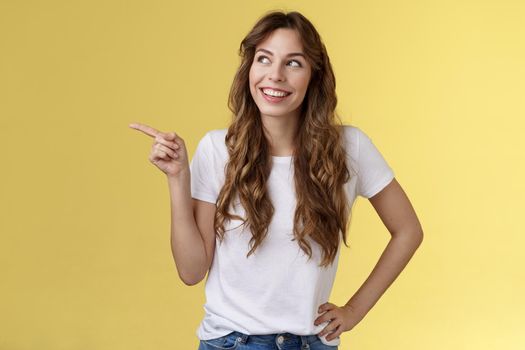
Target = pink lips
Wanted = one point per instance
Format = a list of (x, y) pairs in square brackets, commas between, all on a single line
[(273, 99)]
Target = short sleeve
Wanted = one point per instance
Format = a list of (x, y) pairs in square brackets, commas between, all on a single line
[(203, 184), (374, 173)]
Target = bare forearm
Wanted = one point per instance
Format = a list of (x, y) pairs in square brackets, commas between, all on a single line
[(187, 245), (395, 257)]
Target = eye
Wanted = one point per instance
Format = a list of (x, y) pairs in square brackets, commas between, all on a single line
[(260, 58), (298, 63)]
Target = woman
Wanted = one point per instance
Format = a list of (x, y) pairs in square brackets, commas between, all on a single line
[(272, 198)]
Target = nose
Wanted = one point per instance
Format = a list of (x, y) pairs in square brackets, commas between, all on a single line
[(276, 73)]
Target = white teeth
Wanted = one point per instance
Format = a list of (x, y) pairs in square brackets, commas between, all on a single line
[(275, 93)]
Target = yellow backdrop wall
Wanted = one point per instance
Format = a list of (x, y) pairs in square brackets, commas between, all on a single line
[(85, 260)]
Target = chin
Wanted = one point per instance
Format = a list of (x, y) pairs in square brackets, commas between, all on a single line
[(272, 114)]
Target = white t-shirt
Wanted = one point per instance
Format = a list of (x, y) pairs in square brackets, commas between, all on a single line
[(276, 289)]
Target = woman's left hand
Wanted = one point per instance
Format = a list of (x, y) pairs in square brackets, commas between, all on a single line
[(341, 319)]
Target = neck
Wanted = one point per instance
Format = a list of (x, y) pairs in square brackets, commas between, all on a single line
[(281, 132)]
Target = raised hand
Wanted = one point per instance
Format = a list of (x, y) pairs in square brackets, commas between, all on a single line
[(168, 151)]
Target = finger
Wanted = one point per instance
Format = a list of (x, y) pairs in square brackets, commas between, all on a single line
[(166, 150), (327, 316), (326, 306), (165, 142), (171, 135), (148, 130), (337, 332), (160, 154), (329, 328), (320, 309)]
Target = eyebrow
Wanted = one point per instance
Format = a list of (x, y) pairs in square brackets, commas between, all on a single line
[(289, 55)]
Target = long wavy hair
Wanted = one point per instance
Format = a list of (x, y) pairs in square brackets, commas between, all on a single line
[(320, 169)]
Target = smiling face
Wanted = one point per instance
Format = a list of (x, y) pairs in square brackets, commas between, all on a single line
[(277, 65)]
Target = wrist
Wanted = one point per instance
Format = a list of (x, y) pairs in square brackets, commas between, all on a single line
[(355, 309), (181, 177), (182, 173)]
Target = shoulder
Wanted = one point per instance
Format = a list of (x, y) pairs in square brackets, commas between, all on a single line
[(213, 137), (357, 138), (214, 142), (352, 132), (217, 135)]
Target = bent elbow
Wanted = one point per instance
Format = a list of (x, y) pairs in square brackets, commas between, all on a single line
[(190, 281), (419, 238)]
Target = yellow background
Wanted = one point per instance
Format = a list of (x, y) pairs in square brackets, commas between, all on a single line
[(85, 260)]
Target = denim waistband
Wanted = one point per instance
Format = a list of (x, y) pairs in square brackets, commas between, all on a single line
[(279, 338)]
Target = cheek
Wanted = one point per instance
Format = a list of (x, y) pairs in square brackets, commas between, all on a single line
[(301, 86), (305, 82), (254, 78), (254, 75), (251, 81)]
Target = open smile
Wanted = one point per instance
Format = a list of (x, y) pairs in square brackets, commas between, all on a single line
[(274, 99)]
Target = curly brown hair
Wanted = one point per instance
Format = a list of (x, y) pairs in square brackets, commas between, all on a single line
[(320, 167)]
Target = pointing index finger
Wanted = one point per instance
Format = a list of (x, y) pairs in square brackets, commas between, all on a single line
[(148, 130)]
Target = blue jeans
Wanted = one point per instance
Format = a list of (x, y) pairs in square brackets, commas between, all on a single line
[(279, 341)]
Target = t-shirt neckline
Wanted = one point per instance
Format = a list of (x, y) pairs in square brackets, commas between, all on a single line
[(281, 159)]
